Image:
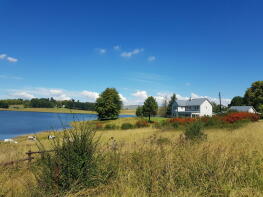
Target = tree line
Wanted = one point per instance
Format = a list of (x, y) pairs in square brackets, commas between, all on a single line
[(48, 103)]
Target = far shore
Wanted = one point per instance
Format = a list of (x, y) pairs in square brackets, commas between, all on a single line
[(63, 110)]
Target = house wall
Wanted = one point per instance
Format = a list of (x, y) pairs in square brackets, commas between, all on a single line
[(206, 109)]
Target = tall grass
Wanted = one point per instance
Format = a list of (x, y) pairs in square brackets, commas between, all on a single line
[(76, 162), (150, 162)]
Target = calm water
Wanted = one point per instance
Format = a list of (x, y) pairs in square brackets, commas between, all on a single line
[(14, 123)]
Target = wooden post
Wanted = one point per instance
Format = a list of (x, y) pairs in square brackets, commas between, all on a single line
[(29, 154)]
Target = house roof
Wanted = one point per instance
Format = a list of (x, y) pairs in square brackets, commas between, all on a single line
[(191, 102), (242, 108)]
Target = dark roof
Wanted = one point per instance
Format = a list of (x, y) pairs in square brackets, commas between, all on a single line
[(191, 102), (242, 108)]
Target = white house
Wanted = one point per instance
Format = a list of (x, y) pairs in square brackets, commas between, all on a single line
[(249, 109), (192, 108)]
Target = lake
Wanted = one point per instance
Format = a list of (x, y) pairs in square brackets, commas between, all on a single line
[(15, 123)]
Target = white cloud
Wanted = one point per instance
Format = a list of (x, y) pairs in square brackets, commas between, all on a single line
[(116, 47), (8, 58), (22, 94), (92, 96), (131, 53), (2, 56), (62, 97), (11, 59), (56, 91), (140, 94), (123, 99), (101, 51), (151, 58), (188, 84)]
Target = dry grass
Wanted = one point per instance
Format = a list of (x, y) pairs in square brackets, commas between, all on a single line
[(155, 163)]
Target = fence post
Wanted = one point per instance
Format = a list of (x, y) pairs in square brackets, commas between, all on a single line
[(29, 154)]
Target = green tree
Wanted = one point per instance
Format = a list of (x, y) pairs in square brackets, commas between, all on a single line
[(237, 101), (139, 111), (254, 95), (150, 107), (170, 105), (4, 104), (108, 105)]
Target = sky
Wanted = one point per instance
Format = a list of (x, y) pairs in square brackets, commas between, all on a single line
[(75, 49)]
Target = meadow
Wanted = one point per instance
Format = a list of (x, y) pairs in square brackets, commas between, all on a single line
[(156, 162)]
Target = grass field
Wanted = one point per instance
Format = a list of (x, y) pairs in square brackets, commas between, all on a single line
[(62, 110), (155, 163)]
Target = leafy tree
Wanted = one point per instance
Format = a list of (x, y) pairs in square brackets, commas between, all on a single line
[(237, 101), (170, 105), (254, 95), (139, 111), (109, 104), (150, 107), (216, 107), (4, 104)]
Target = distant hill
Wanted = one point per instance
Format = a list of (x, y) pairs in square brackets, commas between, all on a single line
[(130, 107)]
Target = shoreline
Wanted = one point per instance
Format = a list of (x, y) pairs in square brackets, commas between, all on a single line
[(64, 110), (19, 136)]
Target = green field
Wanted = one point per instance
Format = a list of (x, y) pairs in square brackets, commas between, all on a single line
[(156, 163)]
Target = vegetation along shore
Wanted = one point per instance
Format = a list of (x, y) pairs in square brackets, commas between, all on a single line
[(220, 155)]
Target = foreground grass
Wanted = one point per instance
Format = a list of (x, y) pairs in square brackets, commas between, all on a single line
[(156, 163), (63, 110)]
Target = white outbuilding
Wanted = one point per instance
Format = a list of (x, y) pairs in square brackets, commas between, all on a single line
[(249, 109)]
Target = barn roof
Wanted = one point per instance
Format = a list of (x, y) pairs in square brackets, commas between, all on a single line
[(242, 108)]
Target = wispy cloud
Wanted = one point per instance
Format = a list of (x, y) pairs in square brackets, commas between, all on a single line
[(187, 84), (2, 56), (101, 51), (10, 77), (132, 53), (8, 58), (11, 59), (117, 48), (151, 58)]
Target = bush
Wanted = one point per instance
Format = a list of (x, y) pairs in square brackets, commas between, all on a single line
[(126, 126), (141, 124), (182, 120), (194, 131), (236, 116), (110, 126), (75, 163)]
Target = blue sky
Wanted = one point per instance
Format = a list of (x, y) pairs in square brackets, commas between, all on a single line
[(76, 49)]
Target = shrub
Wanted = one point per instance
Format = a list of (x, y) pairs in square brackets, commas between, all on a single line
[(181, 120), (141, 124), (236, 116), (75, 163), (126, 126), (110, 126), (194, 131)]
